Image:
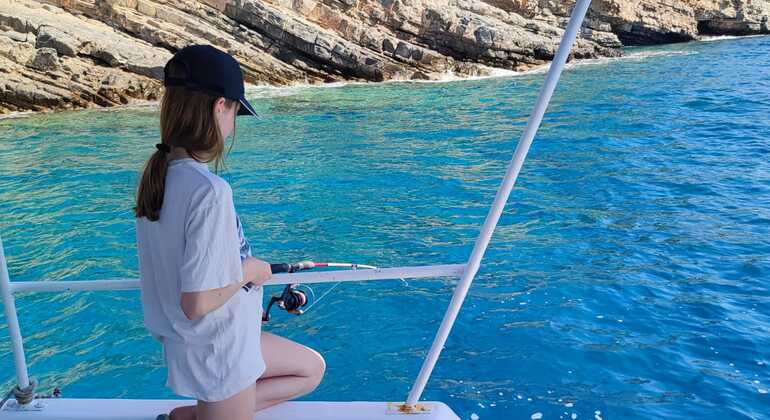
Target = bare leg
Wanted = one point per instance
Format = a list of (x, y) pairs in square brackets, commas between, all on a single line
[(293, 370), (238, 407)]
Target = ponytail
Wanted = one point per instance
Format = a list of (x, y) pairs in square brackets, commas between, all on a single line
[(149, 197), (187, 121)]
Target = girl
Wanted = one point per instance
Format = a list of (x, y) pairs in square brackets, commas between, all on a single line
[(194, 260)]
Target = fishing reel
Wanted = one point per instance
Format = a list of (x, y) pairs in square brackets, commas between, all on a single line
[(293, 298), (296, 296)]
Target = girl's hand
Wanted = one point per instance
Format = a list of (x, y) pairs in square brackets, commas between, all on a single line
[(256, 271), (265, 273)]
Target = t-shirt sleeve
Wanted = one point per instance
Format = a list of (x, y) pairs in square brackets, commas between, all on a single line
[(212, 248)]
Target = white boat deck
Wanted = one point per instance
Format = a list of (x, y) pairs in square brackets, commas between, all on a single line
[(118, 409)]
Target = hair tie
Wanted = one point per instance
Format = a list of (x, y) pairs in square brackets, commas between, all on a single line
[(163, 147)]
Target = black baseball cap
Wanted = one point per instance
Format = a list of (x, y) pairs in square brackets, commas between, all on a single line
[(212, 70)]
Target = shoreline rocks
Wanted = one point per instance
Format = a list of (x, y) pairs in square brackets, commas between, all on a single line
[(67, 54)]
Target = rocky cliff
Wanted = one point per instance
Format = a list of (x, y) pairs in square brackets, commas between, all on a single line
[(60, 54)]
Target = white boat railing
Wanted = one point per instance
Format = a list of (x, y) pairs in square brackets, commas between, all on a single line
[(467, 272), (418, 272), (8, 288), (19, 361)]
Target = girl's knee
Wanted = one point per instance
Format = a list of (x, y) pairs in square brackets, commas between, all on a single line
[(314, 370), (320, 365), (312, 382), (320, 370), (316, 365)]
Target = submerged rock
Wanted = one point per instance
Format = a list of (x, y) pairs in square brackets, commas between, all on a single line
[(58, 54)]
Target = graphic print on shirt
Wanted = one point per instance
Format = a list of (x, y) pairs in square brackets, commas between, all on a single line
[(244, 243)]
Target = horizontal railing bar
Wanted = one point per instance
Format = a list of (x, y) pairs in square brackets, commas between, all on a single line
[(332, 276)]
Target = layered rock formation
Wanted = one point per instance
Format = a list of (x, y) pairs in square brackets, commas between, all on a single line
[(59, 54), (655, 21)]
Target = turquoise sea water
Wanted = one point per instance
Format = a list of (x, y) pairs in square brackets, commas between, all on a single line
[(628, 274)]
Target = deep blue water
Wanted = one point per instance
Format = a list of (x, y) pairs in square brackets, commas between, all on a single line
[(628, 275)]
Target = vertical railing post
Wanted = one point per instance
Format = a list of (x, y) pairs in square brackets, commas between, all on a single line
[(22, 378), (557, 65)]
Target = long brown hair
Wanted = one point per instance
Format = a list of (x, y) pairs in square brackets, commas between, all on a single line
[(186, 120)]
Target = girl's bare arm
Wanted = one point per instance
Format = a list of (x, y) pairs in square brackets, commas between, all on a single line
[(198, 304)]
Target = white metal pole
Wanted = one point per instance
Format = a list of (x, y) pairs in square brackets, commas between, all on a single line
[(578, 13), (22, 378)]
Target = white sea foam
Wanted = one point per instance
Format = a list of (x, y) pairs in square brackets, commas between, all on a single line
[(451, 77), (632, 56), (493, 72), (725, 37), (271, 91), (18, 114), (139, 104)]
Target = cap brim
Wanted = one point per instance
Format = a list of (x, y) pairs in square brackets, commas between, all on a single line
[(246, 108)]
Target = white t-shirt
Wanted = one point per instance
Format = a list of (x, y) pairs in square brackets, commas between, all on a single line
[(195, 246)]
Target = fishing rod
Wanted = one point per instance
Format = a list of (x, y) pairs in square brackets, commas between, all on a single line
[(295, 296)]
